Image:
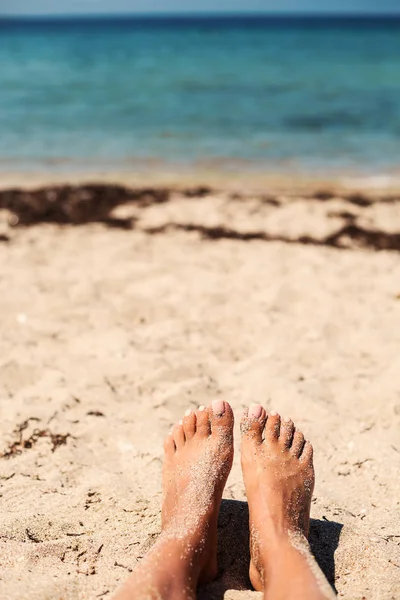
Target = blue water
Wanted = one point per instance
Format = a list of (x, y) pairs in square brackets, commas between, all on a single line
[(255, 91)]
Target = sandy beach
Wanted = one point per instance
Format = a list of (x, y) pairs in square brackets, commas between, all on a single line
[(124, 303)]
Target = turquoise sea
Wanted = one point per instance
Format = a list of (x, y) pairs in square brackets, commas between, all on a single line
[(311, 93)]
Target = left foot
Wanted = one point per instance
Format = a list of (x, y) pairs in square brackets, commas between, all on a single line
[(198, 459)]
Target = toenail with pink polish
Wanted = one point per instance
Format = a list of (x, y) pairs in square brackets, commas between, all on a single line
[(255, 411), (218, 407)]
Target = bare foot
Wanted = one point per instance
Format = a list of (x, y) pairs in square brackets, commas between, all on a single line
[(198, 459), (278, 474)]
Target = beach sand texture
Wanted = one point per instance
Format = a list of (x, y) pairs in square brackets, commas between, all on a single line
[(159, 301)]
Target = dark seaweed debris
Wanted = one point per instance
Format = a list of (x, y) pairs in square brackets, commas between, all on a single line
[(95, 203), (20, 444)]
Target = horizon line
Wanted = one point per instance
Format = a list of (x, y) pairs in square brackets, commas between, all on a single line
[(193, 14)]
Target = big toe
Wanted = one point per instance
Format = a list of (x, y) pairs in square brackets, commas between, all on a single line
[(221, 418), (252, 424)]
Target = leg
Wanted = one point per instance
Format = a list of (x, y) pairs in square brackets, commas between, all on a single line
[(197, 461), (278, 473)]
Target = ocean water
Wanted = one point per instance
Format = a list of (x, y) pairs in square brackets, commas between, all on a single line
[(254, 92)]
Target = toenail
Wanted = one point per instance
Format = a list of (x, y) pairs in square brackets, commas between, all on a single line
[(188, 412), (273, 413), (255, 411), (218, 407), (202, 408)]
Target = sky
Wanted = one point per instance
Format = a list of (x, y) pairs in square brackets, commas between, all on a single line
[(57, 7)]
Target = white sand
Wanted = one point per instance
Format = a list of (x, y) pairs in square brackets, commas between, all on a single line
[(108, 336)]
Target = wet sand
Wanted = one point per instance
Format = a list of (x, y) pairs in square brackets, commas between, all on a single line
[(123, 306)]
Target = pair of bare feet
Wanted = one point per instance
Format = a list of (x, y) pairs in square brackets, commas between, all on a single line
[(278, 474)]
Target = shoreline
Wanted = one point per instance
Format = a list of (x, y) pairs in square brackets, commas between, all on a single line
[(293, 182), (293, 212)]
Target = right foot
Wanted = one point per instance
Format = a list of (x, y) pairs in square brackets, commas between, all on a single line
[(278, 474)]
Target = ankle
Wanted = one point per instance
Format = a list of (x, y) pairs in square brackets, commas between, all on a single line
[(277, 543), (283, 547), (158, 586), (184, 555), (293, 556), (175, 575)]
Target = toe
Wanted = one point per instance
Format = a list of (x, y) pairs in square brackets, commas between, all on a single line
[(286, 432), (189, 424), (169, 444), (221, 417), (307, 454), (203, 426), (272, 426), (298, 443), (178, 435), (253, 423)]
